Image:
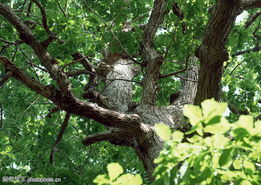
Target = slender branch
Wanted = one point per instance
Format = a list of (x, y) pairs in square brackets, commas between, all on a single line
[(177, 72), (186, 79), (44, 18), (112, 136), (53, 110), (179, 13), (5, 78), (10, 42), (1, 116), (251, 19), (237, 111), (74, 62), (80, 72), (257, 48), (61, 9), (113, 34), (29, 9), (236, 67), (59, 136)]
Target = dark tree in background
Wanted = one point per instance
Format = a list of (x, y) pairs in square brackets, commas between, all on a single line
[(126, 65)]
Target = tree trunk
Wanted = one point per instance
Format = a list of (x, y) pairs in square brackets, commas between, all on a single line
[(144, 140)]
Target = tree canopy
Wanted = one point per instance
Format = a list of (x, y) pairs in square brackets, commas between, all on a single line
[(74, 73)]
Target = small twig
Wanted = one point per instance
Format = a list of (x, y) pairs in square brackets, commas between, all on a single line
[(237, 111), (251, 19), (44, 18), (74, 62), (61, 9), (177, 72), (53, 110), (185, 79), (257, 48), (117, 39), (1, 116), (235, 68), (59, 136), (29, 9)]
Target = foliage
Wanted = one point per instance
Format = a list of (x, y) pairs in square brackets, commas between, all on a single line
[(114, 177), (89, 26), (213, 151)]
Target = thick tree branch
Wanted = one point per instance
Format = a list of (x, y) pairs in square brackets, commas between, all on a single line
[(151, 59), (46, 60), (156, 18), (212, 52), (247, 4), (59, 136), (73, 105), (24, 78)]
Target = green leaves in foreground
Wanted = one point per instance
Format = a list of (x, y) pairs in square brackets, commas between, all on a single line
[(217, 152), (115, 177), (212, 152)]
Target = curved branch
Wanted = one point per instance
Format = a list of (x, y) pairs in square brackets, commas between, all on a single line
[(46, 60), (60, 135), (114, 137), (44, 18), (5, 78), (73, 105), (251, 19), (257, 48), (177, 72)]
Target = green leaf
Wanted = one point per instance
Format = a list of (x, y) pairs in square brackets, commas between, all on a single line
[(194, 114), (101, 179), (114, 170), (194, 139), (249, 165), (128, 179), (217, 128), (163, 131), (245, 122), (226, 156), (212, 108), (177, 136), (237, 164)]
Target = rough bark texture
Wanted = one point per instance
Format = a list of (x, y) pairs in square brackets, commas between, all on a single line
[(212, 52), (130, 125)]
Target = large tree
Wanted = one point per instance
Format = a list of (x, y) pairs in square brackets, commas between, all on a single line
[(128, 65)]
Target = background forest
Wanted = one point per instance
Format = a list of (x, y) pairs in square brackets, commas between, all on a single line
[(33, 138)]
